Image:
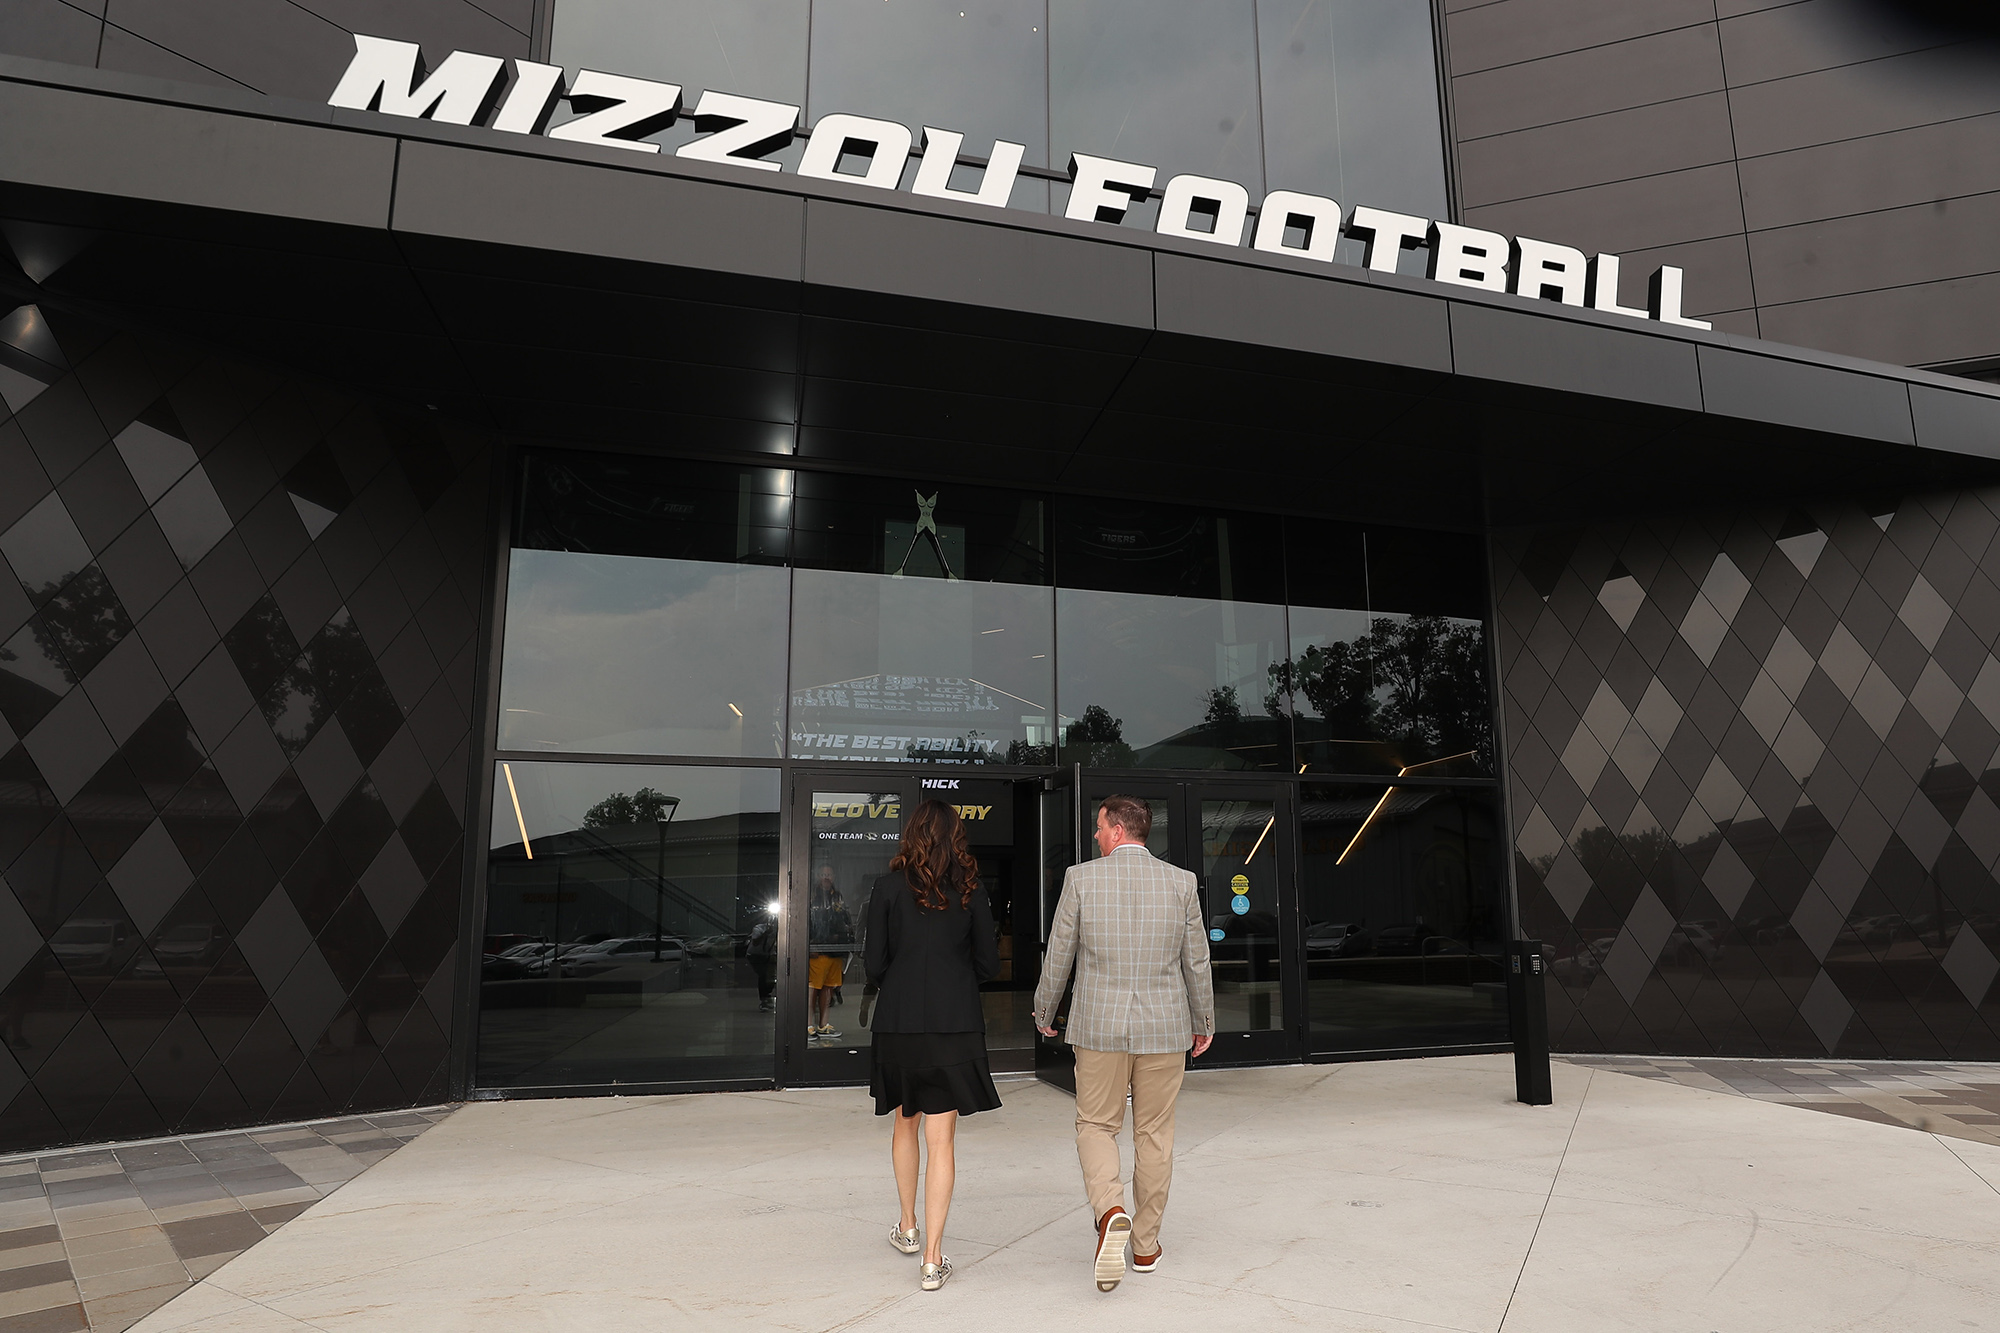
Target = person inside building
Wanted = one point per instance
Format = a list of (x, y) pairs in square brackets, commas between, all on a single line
[(930, 942)]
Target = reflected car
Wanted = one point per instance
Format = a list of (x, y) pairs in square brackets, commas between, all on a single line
[(187, 945), (1406, 941), (92, 945), (499, 967), (1585, 963), (1688, 942), (1336, 939), (628, 966), (713, 946)]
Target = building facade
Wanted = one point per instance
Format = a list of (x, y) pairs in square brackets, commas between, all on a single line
[(507, 506)]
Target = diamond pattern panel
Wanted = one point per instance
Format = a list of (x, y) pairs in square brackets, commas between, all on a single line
[(237, 627), (1758, 754)]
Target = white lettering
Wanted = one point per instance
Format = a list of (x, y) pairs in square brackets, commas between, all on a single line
[(532, 99), (1314, 215), (741, 131), (1604, 288), (996, 184), (616, 111), (885, 143), (1225, 203), (389, 77), (1468, 257), (1545, 270), (1104, 190), (1387, 235), (619, 112), (1664, 299)]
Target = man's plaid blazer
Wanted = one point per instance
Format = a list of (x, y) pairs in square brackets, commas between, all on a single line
[(1131, 926)]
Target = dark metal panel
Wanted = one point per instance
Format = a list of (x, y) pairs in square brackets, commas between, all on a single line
[(595, 210), (49, 30), (1276, 308), (1513, 31), (1929, 162), (1009, 268), (138, 150), (1718, 275), (1521, 348), (1791, 393), (1965, 423), (1924, 324), (1874, 249), (1658, 68), (1819, 34), (1618, 145), (1921, 88), (1627, 215), (275, 48)]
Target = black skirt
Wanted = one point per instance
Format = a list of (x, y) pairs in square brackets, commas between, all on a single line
[(930, 1072)]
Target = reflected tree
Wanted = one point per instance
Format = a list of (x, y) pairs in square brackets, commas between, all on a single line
[(644, 806), (1418, 681), (1097, 739), (81, 623)]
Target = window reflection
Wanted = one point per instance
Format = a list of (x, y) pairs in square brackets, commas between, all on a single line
[(1170, 621), (1387, 670), (921, 629), (753, 48), (631, 924), (1174, 86), (645, 611), (976, 66), (1403, 915), (1239, 884), (1350, 102)]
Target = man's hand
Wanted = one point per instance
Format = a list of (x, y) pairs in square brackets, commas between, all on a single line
[(1046, 1032), (1202, 1042)]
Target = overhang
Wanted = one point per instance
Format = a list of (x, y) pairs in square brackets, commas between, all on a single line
[(607, 297)]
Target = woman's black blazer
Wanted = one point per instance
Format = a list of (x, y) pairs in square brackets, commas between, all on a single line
[(928, 963)]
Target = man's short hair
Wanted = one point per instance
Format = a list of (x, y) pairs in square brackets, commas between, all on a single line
[(1129, 813)]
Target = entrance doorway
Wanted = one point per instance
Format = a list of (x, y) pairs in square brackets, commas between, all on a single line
[(1237, 838), (845, 829)]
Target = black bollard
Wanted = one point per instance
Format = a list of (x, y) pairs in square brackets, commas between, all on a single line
[(1528, 1017)]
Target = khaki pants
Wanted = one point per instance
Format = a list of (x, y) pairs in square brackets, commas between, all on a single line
[(1102, 1078)]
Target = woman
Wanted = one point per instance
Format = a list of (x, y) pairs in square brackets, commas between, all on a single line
[(930, 942)]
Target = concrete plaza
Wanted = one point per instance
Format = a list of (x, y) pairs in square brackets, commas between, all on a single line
[(1396, 1196)]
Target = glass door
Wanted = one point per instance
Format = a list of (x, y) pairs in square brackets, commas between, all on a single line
[(847, 827), (1237, 838), (1242, 847)]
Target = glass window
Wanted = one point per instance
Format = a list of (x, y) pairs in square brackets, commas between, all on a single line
[(646, 608), (1170, 621), (753, 48), (1173, 86), (1239, 879), (1403, 914), (1350, 99), (976, 66), (631, 925), (921, 624), (1388, 671)]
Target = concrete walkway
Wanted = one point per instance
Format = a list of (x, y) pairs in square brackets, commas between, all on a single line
[(1395, 1196)]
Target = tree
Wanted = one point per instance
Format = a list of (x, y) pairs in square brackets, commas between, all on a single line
[(1418, 682), (644, 806), (1097, 739)]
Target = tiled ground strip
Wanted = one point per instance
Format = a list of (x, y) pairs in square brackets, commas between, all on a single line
[(1962, 1100), (98, 1239)]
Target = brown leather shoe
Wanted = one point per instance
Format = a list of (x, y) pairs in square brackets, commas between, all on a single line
[(1114, 1233), (1146, 1263)]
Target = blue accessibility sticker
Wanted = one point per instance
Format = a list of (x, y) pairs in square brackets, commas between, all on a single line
[(1218, 935), (1239, 904)]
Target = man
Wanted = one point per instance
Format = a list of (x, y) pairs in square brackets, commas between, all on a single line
[(1132, 927)]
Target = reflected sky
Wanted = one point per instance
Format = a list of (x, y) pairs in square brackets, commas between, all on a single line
[(621, 654)]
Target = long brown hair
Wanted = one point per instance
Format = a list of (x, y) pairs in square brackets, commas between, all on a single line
[(934, 857)]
